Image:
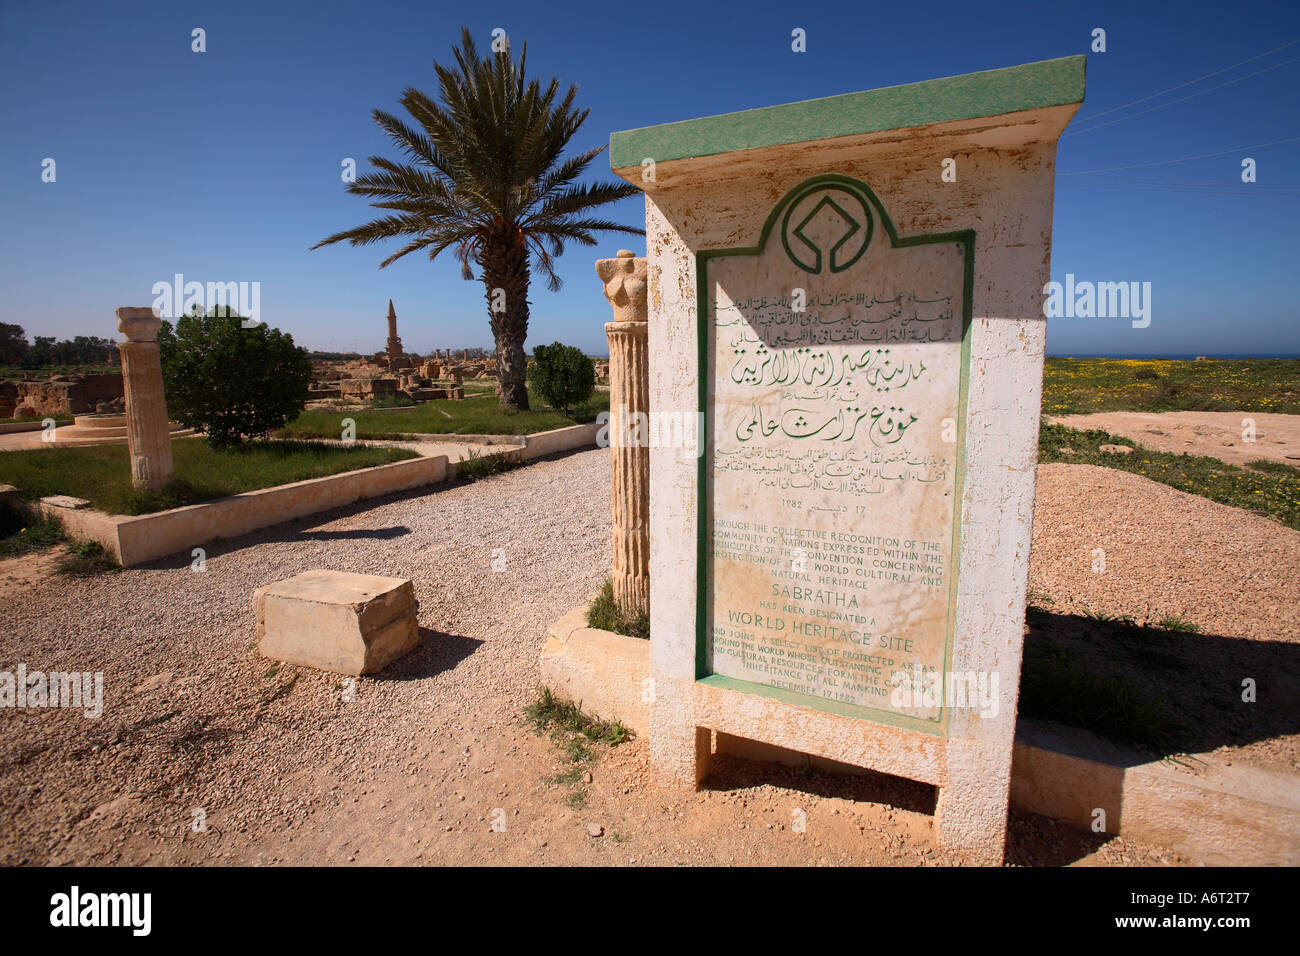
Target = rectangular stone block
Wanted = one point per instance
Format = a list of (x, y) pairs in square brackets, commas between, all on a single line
[(337, 621), (65, 501)]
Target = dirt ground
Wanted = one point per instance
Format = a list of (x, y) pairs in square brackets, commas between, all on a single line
[(1212, 434), (431, 762), (1165, 554)]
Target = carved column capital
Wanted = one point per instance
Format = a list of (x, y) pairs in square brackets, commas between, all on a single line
[(625, 283)]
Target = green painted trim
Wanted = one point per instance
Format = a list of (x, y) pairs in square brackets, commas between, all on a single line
[(839, 707), (703, 562), (989, 93)]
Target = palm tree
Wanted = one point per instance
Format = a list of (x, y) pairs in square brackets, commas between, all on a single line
[(486, 179)]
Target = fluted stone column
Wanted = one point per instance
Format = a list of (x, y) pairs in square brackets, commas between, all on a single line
[(629, 394), (147, 437)]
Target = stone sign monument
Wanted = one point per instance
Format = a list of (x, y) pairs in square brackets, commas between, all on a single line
[(850, 291)]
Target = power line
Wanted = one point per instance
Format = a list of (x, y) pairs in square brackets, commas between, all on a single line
[(1189, 82), (1184, 159), (1224, 190), (1180, 99), (1184, 182)]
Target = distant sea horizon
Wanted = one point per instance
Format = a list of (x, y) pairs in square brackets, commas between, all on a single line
[(1188, 356)]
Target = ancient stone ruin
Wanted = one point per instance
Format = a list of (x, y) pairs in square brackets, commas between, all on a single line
[(395, 373), (61, 396)]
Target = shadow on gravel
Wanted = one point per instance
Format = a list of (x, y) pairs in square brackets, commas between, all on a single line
[(1164, 691), (1034, 840), (381, 534), (735, 773), (438, 652), (294, 530), (300, 529)]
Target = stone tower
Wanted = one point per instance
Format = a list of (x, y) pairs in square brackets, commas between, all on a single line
[(394, 343)]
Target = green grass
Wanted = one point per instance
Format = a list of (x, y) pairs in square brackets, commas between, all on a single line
[(1272, 467), (1127, 681), (1082, 385), (604, 614), (1274, 492), (102, 474), (1056, 688), (59, 420), (572, 730), (576, 735), (478, 466), (82, 559), (564, 720), (1172, 622), (22, 533), (478, 413)]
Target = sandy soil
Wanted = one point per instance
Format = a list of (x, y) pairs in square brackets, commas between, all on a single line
[(1212, 434), (1232, 574), (19, 574), (284, 767)]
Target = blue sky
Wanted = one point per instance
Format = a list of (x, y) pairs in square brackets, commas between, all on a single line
[(225, 165)]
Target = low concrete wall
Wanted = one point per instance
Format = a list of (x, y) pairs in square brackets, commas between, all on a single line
[(1210, 808), (9, 427), (1206, 808), (541, 444), (135, 540), (560, 439), (605, 672), (86, 524)]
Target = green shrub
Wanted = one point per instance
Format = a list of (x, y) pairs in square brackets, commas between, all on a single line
[(232, 382), (476, 466), (562, 375)]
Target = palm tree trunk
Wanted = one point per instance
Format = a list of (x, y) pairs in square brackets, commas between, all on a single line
[(505, 279)]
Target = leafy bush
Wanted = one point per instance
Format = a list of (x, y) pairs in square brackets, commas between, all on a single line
[(562, 375), (232, 382)]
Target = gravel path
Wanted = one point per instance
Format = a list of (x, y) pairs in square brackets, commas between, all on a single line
[(282, 768), (213, 730)]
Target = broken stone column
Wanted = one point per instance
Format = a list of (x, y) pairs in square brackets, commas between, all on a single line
[(629, 403), (147, 437)]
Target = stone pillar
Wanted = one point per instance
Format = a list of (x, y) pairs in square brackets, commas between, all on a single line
[(394, 344), (629, 394), (147, 436)]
